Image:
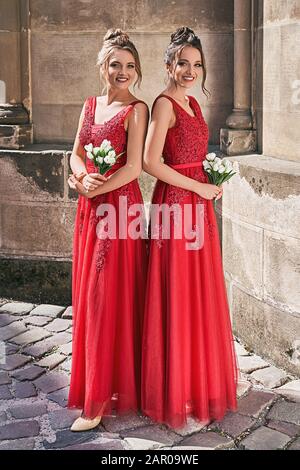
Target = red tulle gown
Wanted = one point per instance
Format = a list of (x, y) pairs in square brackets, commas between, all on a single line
[(189, 365), (108, 291)]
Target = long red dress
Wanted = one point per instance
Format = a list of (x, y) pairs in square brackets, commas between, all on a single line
[(189, 365), (108, 291)]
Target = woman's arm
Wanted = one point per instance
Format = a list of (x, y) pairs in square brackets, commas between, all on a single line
[(162, 119), (137, 127), (77, 158)]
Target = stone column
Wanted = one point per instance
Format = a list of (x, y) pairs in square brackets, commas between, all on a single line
[(240, 138), (15, 128)]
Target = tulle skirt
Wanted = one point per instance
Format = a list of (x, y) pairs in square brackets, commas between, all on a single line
[(189, 366), (108, 290)]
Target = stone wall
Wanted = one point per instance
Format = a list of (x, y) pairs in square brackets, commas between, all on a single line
[(48, 55), (10, 73), (281, 72), (261, 204), (261, 256), (37, 212), (14, 52), (66, 36)]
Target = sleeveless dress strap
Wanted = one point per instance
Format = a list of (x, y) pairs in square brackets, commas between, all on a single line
[(131, 106), (169, 98), (137, 101), (195, 106), (88, 102), (92, 102), (89, 109), (159, 96), (174, 102), (85, 132)]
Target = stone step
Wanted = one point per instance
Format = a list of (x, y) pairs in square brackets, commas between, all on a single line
[(15, 136)]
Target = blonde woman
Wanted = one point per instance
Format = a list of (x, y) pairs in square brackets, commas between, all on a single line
[(109, 274)]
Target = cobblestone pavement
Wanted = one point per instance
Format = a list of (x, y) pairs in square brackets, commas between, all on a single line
[(35, 359)]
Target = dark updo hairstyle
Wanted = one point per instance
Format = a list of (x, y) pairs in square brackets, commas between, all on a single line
[(183, 37), (117, 39)]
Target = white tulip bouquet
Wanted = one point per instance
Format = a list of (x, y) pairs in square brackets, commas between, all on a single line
[(104, 157), (218, 169)]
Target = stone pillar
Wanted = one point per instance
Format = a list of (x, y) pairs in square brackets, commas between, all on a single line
[(261, 203), (15, 128), (240, 138)]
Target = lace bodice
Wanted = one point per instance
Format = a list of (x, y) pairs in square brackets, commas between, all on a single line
[(187, 141), (112, 130)]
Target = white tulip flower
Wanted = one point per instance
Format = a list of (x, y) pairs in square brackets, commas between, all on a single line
[(109, 160), (228, 165), (96, 150), (100, 159), (210, 156), (216, 167), (221, 169), (111, 154), (105, 145), (89, 147), (90, 155)]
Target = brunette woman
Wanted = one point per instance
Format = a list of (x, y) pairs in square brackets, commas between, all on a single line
[(189, 363)]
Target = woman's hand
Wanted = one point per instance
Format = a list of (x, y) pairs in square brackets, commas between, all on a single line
[(76, 185), (220, 193), (209, 191), (92, 181), (72, 181)]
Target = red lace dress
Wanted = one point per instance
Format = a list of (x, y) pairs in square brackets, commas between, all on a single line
[(108, 289), (189, 365)]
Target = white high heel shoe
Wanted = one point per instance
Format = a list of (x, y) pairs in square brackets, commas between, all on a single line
[(85, 424)]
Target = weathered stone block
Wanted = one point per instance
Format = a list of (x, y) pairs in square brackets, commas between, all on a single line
[(269, 331), (237, 142), (54, 223), (268, 194), (69, 15), (36, 176), (281, 270), (243, 254)]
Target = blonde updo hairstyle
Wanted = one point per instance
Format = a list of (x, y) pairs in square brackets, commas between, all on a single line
[(181, 38), (117, 39)]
